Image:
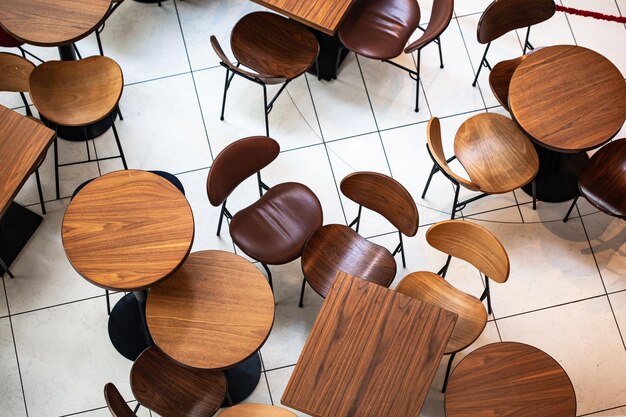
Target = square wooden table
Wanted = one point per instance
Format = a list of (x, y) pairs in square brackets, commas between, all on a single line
[(22, 143), (372, 352)]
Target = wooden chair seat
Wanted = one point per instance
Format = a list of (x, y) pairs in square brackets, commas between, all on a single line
[(603, 180), (497, 156), (274, 229), (273, 45), (431, 288), (171, 389), (76, 93), (379, 29), (256, 410), (15, 72), (336, 247)]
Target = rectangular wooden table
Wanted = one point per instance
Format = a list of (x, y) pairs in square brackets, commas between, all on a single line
[(372, 352), (22, 144)]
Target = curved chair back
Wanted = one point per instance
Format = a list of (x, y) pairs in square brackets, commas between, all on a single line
[(435, 147), (238, 161), (14, 72), (431, 288), (503, 16), (384, 195), (116, 404), (472, 243), (440, 17), (500, 79)]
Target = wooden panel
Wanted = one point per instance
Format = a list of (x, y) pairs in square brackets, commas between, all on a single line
[(256, 410), (372, 352), (509, 379), (22, 143), (52, 22), (323, 15), (127, 230), (214, 313), (568, 98)]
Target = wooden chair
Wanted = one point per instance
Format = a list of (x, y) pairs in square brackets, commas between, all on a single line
[(503, 16), (472, 316), (497, 156), (336, 247), (14, 74), (380, 29), (115, 402), (474, 244), (274, 229), (603, 180), (275, 48), (256, 410), (78, 93)]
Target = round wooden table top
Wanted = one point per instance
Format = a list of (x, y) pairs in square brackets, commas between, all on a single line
[(568, 98), (509, 379), (214, 313), (127, 230), (52, 22)]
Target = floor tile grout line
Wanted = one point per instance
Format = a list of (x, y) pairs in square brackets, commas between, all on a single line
[(278, 368), (193, 79), (552, 306), (56, 305), (595, 260), (602, 411), (17, 357)]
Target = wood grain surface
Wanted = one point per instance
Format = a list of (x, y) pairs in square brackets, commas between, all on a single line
[(496, 154), (52, 22), (500, 79), (127, 230), (14, 72), (77, 93), (256, 410), (501, 17), (23, 142), (214, 313), (323, 15), (372, 352), (335, 247), (509, 379), (568, 98)]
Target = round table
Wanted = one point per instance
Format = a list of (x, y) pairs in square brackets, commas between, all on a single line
[(568, 99), (214, 313), (509, 379), (125, 231)]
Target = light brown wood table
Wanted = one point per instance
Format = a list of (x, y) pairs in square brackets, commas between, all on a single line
[(126, 231), (23, 142), (372, 352), (509, 379), (214, 313), (568, 99)]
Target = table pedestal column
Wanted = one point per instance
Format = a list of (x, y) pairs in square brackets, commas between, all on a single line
[(242, 380), (17, 225), (330, 47), (128, 330)]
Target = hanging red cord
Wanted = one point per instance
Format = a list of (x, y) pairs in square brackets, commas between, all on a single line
[(588, 13)]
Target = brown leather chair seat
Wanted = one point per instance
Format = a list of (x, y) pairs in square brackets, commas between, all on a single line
[(380, 29), (275, 228)]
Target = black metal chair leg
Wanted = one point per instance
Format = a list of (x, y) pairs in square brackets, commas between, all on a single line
[(440, 54), (226, 85), (570, 209), (138, 405), (301, 304), (56, 166), (487, 294), (269, 275), (402, 250), (430, 177), (222, 214), (77, 51), (267, 123), (417, 82), (39, 190), (106, 293), (456, 201), (534, 188), (445, 380), (444, 270), (119, 112), (99, 43), (480, 65), (6, 268), (526, 43), (117, 139)]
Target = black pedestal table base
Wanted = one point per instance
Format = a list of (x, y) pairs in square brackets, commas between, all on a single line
[(77, 134), (330, 46), (243, 379), (17, 225), (127, 329), (557, 179)]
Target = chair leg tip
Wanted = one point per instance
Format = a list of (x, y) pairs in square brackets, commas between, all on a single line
[(222, 118), (300, 305), (441, 66), (473, 84)]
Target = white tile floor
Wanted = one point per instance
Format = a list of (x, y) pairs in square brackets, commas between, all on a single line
[(567, 290)]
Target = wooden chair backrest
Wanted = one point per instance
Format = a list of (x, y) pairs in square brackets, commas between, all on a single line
[(384, 195), (116, 404), (472, 243), (503, 16), (14, 72)]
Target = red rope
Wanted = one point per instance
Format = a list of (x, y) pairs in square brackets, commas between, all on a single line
[(587, 13)]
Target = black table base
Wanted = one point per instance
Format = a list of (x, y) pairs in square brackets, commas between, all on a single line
[(330, 46), (17, 225), (80, 134), (557, 179), (127, 329), (243, 379)]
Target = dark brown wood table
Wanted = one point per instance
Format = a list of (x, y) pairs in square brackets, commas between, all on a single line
[(23, 142), (324, 17), (214, 313), (568, 99), (372, 352), (509, 379), (126, 231)]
